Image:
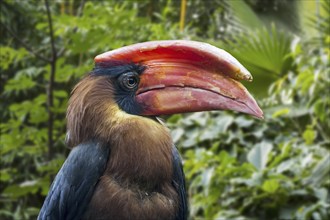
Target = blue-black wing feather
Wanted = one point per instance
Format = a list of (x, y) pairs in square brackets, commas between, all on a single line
[(74, 184), (180, 185)]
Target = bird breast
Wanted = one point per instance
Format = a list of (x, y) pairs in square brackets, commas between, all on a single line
[(138, 176)]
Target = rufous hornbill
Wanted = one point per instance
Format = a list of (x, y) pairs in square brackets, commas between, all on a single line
[(124, 164)]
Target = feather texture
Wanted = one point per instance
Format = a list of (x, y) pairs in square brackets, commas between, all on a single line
[(74, 184)]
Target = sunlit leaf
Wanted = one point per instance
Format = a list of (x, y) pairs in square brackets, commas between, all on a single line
[(270, 186), (281, 112), (309, 135)]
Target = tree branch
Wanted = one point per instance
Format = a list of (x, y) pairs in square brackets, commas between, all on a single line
[(50, 87), (51, 32), (25, 45)]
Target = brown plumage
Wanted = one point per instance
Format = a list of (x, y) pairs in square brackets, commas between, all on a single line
[(88, 104), (125, 185)]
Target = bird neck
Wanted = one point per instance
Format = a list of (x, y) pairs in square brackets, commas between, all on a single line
[(141, 150)]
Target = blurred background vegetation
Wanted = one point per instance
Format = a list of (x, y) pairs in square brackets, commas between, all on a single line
[(237, 167)]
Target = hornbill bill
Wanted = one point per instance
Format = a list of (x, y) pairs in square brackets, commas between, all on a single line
[(123, 164)]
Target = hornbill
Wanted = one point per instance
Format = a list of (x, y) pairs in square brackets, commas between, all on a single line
[(124, 164)]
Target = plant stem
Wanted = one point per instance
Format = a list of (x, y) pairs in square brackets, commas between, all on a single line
[(182, 14), (50, 87)]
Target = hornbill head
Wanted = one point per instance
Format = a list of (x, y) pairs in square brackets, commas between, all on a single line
[(157, 78)]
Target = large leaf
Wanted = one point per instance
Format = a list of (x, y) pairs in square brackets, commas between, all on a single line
[(258, 156), (246, 16), (265, 53), (321, 171)]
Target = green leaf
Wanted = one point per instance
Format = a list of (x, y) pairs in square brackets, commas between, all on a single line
[(177, 134), (258, 155), (270, 186), (243, 122), (4, 175), (206, 179), (18, 84), (9, 55), (309, 135), (320, 171), (266, 53), (281, 112), (224, 122), (305, 80), (245, 14), (61, 94), (22, 189), (320, 108)]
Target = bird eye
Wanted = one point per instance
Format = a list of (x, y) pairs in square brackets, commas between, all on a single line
[(129, 81)]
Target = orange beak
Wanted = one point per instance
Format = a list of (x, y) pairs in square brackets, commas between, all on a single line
[(186, 76)]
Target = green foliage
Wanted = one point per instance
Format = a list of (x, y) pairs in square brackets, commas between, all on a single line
[(260, 169), (321, 23), (236, 166), (277, 168), (265, 52), (244, 13)]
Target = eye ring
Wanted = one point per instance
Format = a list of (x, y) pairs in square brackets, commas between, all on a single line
[(129, 81)]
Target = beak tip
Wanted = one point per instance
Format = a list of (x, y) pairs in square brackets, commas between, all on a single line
[(252, 108), (246, 75), (261, 117), (258, 113)]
